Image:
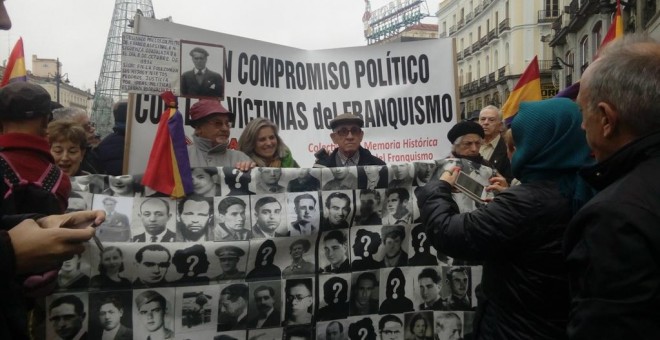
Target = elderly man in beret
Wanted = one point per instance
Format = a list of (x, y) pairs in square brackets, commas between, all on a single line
[(233, 307), (212, 124), (347, 134), (298, 264), (229, 257), (200, 81)]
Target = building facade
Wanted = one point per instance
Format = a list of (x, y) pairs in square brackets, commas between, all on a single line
[(47, 73)]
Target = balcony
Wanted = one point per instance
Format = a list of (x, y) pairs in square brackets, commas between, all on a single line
[(469, 17), (459, 55), (483, 41), (545, 66), (546, 16), (452, 29), (501, 73), (467, 52), (475, 46), (483, 83), (504, 25), (491, 78), (460, 23), (492, 34), (474, 86), (478, 9), (442, 35)]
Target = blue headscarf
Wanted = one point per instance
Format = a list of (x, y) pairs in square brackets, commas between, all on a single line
[(550, 145)]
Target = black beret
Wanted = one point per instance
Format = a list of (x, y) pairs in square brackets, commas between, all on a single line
[(463, 128), (24, 101)]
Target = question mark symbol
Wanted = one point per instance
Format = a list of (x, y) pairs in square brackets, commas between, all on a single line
[(367, 241), (238, 174), (193, 261), (268, 250), (396, 283), (363, 332), (337, 288), (422, 237)]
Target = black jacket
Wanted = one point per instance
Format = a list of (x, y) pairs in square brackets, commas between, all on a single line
[(330, 161), (613, 248), (518, 237), (110, 152), (500, 160)]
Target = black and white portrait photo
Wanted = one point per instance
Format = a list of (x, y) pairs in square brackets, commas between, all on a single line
[(194, 219), (269, 216), (334, 292), (332, 330), (75, 272), (110, 315), (66, 316), (118, 216), (301, 261), (206, 181), (369, 207), (232, 259), (232, 220), (299, 306), (94, 184), (306, 179), (265, 304), (153, 313), (80, 201), (109, 268), (419, 326), (365, 243), (448, 325), (401, 175), (233, 307), (390, 327), (397, 287), (365, 292), (235, 182), (423, 173), (372, 177), (334, 250), (123, 186), (395, 245), (363, 327), (459, 285), (157, 220), (264, 334), (303, 213), (338, 209), (428, 284), (152, 263), (202, 68), (267, 181), (196, 309), (340, 178), (398, 206)]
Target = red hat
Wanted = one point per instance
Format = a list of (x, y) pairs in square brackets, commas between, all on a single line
[(207, 107)]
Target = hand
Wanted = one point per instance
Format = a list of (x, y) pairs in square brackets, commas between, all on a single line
[(38, 249), (245, 166), (451, 175), (74, 220), (497, 184)]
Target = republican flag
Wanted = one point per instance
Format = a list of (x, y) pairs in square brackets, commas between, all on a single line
[(616, 29), (528, 88), (168, 167), (15, 70)]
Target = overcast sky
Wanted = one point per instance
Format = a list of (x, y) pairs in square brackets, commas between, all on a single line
[(76, 30)]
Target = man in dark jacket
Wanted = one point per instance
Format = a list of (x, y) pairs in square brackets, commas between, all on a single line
[(110, 151), (493, 147), (612, 245), (347, 134)]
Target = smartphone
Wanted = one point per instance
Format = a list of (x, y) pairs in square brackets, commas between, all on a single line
[(471, 187)]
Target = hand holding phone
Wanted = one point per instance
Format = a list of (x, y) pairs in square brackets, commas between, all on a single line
[(470, 187)]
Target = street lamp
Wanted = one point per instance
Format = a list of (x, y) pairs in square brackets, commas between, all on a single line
[(58, 80), (556, 67)]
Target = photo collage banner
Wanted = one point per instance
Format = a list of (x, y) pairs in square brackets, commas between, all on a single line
[(310, 253)]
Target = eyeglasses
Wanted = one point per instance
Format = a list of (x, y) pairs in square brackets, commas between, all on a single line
[(344, 131), (297, 298)]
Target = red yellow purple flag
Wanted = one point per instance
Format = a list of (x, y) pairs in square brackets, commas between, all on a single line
[(616, 28), (15, 70), (168, 167), (528, 88)]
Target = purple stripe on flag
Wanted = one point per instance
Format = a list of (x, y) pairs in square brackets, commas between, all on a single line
[(570, 92), (178, 140)]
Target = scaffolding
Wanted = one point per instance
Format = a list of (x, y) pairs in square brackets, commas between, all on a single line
[(107, 90)]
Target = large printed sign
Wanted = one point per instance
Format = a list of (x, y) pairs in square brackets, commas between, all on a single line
[(405, 92), (269, 254)]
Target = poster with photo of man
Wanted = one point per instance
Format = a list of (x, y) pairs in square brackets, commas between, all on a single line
[(232, 220), (110, 315), (194, 219), (233, 307), (339, 178), (229, 261), (153, 313), (74, 273), (118, 218), (302, 180), (332, 330), (152, 266), (269, 216), (265, 304), (365, 292), (448, 325), (196, 308), (370, 207), (458, 288), (303, 213), (428, 284), (66, 316), (157, 220), (268, 181), (80, 201), (265, 334), (338, 209), (334, 252), (202, 69), (301, 256)]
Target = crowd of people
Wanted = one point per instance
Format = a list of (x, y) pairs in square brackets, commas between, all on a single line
[(569, 244)]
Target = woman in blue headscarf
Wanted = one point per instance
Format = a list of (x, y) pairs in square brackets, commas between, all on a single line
[(518, 235)]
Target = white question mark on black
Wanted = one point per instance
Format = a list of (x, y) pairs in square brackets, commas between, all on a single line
[(337, 288), (422, 237), (268, 250), (396, 283), (367, 241), (193, 261), (238, 174)]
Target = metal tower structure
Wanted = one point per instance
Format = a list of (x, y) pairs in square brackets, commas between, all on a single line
[(107, 89)]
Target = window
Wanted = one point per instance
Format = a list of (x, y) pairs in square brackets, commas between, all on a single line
[(552, 8), (570, 59), (584, 50), (478, 69), (597, 36)]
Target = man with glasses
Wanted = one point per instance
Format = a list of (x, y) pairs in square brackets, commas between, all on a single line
[(299, 302), (493, 148), (152, 261), (347, 134), (390, 328), (212, 124)]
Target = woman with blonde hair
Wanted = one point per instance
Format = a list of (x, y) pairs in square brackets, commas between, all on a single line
[(68, 143), (261, 141)]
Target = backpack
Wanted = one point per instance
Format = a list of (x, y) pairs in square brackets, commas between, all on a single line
[(24, 197)]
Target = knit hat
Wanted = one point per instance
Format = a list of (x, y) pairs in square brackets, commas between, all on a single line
[(463, 128), (24, 101)]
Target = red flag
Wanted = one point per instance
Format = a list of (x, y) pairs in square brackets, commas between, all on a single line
[(616, 29), (15, 70), (528, 88)]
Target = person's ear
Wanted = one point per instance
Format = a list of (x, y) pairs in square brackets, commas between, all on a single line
[(608, 118)]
